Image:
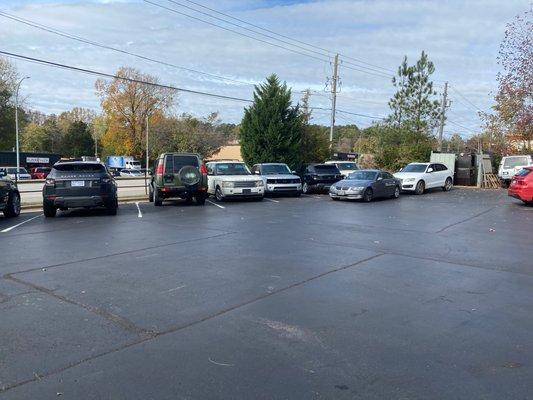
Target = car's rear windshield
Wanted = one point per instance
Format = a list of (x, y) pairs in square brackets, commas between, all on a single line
[(326, 169), (363, 175), (173, 163), (512, 162), (523, 172), (231, 169), (274, 169), (415, 168), (14, 170), (79, 168), (347, 165), (42, 169)]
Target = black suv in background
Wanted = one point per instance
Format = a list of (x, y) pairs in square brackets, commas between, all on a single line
[(9, 196), (76, 184), (178, 175), (319, 177)]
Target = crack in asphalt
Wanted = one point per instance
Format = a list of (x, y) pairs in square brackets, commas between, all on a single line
[(467, 219), (153, 335)]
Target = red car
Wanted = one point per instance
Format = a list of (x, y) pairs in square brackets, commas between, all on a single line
[(39, 172), (522, 185)]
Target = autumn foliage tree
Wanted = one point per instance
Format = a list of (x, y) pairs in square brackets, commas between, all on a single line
[(126, 103)]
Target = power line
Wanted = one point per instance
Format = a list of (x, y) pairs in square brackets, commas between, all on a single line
[(107, 47), (113, 76), (329, 52), (461, 126), (234, 31), (476, 108)]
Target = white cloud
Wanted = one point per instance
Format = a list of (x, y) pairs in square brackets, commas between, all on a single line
[(462, 39)]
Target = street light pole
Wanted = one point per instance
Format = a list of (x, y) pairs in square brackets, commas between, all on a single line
[(17, 127), (146, 166)]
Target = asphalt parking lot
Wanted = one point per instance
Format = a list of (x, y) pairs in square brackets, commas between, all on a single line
[(424, 297)]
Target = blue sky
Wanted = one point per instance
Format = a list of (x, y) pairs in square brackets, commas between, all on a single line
[(462, 39)]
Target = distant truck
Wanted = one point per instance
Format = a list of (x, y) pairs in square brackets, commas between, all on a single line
[(122, 162)]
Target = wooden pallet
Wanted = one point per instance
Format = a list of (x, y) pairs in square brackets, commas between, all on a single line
[(490, 181)]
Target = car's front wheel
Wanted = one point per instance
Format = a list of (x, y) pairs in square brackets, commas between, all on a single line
[(368, 195), (447, 185), (396, 193), (13, 206), (420, 187), (200, 199), (305, 188), (218, 194), (49, 209)]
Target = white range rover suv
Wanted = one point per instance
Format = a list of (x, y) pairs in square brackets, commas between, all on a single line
[(233, 179), (417, 177)]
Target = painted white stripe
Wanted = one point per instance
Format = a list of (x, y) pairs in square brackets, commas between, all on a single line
[(275, 201), (22, 223), (215, 204), (139, 214)]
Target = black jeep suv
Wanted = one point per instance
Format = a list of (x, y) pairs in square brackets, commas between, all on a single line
[(79, 184), (9, 196), (319, 177)]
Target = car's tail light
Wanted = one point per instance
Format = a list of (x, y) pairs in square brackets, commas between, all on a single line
[(203, 169), (159, 169), (105, 180), (50, 181)]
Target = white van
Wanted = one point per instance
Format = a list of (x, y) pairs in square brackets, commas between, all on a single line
[(510, 165)]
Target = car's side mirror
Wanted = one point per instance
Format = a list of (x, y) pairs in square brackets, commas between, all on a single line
[(2, 174), (400, 170), (256, 172), (430, 170), (380, 178), (293, 172)]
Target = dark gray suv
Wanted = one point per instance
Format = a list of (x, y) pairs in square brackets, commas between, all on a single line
[(79, 184)]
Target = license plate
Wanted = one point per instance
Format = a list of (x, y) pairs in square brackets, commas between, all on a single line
[(341, 192), (77, 183), (246, 191)]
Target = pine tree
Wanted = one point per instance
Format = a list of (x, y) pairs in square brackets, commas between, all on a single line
[(271, 129)]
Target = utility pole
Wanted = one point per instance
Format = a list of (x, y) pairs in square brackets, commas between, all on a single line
[(333, 98), (146, 166), (442, 112), (17, 128)]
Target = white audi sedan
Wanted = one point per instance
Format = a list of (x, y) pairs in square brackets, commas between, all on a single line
[(233, 179), (417, 177)]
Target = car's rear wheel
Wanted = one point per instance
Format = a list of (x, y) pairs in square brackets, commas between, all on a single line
[(112, 208), (200, 199), (218, 194), (420, 187), (368, 195), (188, 200), (150, 194), (396, 193), (49, 209), (447, 185), (13, 206), (158, 202)]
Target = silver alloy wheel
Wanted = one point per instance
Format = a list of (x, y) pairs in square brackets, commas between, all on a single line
[(396, 192), (448, 184), (305, 188), (218, 194), (420, 187)]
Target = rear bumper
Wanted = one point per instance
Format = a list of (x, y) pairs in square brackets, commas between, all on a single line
[(180, 191), (520, 194), (80, 201)]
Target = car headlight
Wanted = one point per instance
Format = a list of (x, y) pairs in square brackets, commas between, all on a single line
[(357, 188), (228, 184), (259, 183), (332, 188), (409, 180)]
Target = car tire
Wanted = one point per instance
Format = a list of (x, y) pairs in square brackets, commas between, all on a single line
[(200, 199), (112, 209), (396, 193), (335, 198), (305, 188), (260, 198), (297, 194), (368, 195), (218, 194), (150, 194), (158, 202), (13, 205), (49, 210), (188, 200), (447, 185), (420, 187)]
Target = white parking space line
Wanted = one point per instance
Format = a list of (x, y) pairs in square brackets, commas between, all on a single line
[(140, 214), (215, 204), (272, 200), (22, 223)]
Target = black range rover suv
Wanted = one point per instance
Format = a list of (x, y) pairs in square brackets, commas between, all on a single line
[(79, 184), (319, 177), (9, 196)]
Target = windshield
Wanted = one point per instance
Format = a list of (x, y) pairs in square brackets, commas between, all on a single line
[(275, 169), (14, 170), (82, 167), (512, 162), (523, 172), (415, 168), (326, 169), (231, 169), (347, 165), (363, 175)]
